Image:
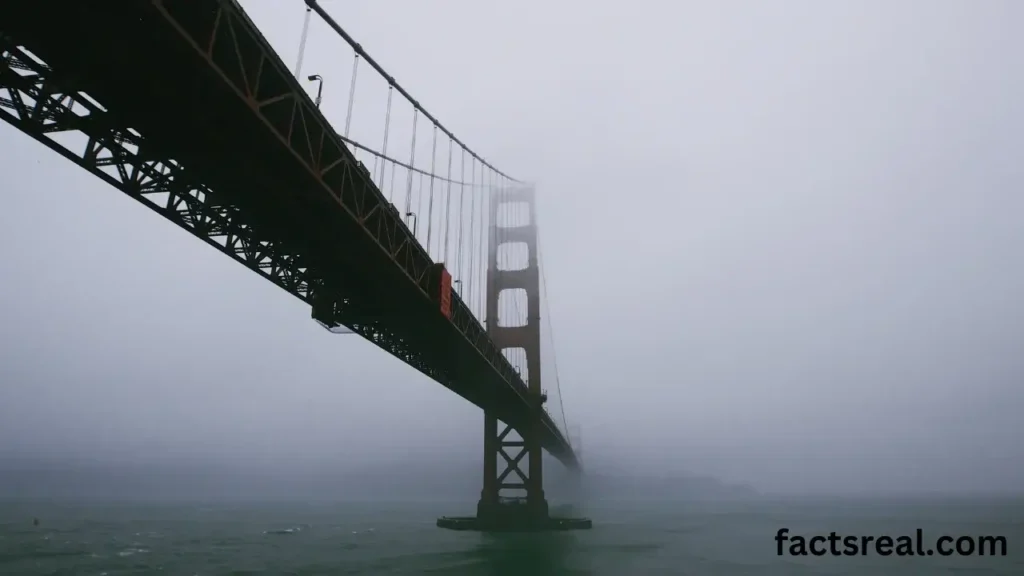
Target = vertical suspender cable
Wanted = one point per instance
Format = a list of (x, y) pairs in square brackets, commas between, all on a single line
[(391, 187), (484, 247), (502, 319), (412, 166), (481, 235), (384, 148), (419, 202), (487, 263), (448, 207), (481, 244), (302, 41), (351, 95), (472, 239), (462, 197), (430, 204), (492, 216)]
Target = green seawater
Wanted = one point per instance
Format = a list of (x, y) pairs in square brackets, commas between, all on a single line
[(719, 539)]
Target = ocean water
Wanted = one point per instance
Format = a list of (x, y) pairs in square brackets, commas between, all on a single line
[(718, 539)]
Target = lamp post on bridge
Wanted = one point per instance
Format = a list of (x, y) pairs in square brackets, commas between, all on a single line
[(319, 89), (415, 219)]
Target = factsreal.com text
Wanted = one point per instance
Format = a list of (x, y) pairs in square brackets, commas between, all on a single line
[(916, 545)]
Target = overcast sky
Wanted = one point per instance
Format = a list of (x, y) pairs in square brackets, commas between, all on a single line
[(783, 246)]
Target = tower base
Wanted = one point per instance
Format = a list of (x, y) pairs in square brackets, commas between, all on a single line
[(512, 516)]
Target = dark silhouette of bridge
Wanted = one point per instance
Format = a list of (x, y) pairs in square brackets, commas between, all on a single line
[(184, 106)]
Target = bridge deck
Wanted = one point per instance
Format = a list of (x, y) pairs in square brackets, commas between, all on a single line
[(199, 119)]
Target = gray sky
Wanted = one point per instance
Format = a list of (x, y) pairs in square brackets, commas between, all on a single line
[(782, 244)]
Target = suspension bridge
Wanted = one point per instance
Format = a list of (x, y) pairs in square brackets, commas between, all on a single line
[(393, 228)]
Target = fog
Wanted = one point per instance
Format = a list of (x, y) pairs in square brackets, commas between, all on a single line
[(782, 247)]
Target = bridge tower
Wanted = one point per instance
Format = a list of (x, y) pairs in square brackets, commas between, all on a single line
[(512, 498), (506, 477)]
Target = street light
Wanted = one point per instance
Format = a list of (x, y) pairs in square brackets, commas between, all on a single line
[(320, 88)]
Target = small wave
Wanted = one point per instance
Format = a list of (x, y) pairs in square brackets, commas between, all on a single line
[(284, 530)]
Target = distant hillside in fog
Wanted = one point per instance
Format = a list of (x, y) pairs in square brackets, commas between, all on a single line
[(455, 480)]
